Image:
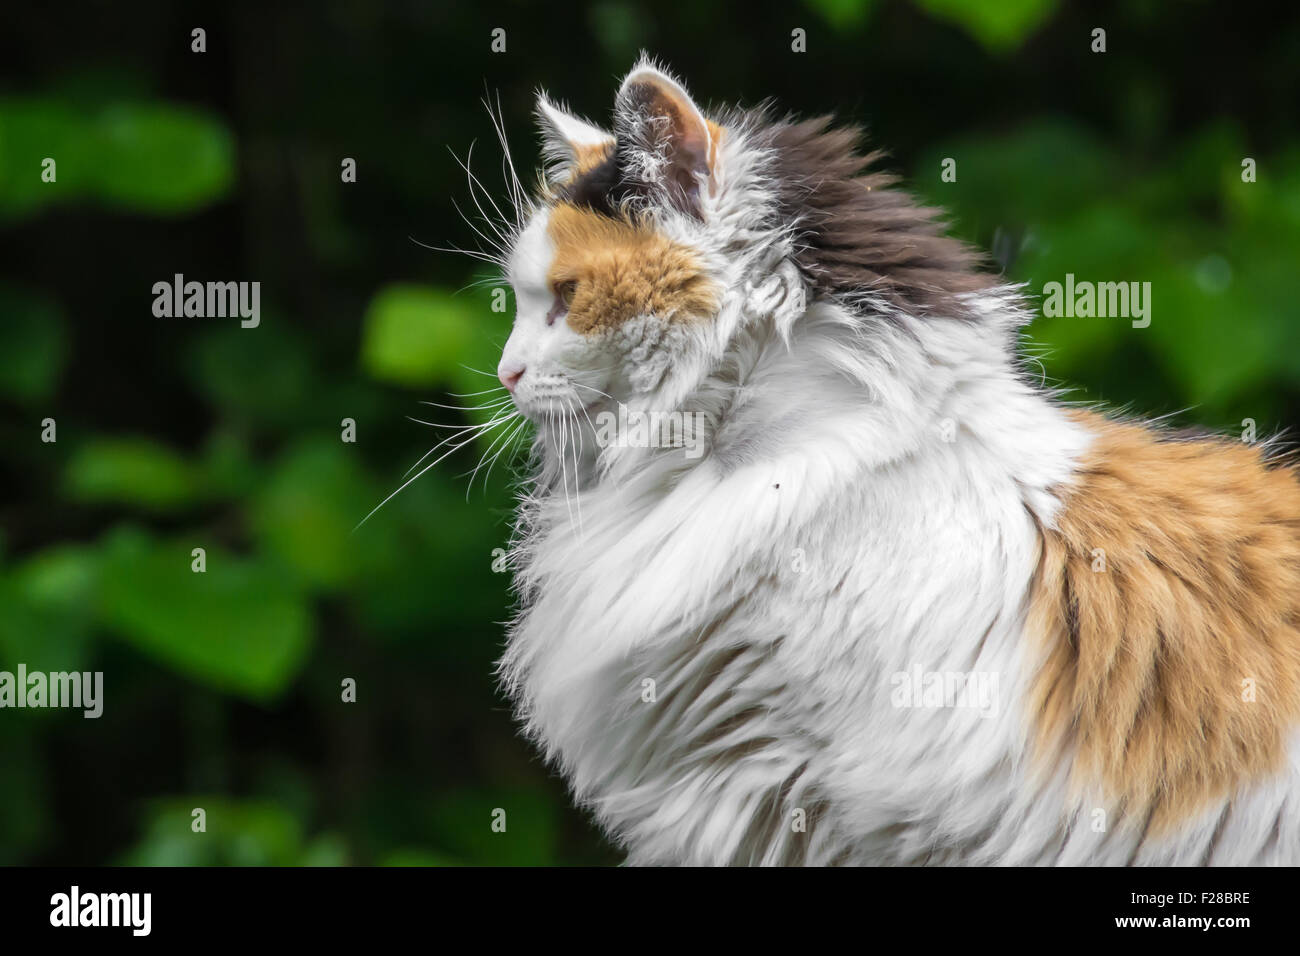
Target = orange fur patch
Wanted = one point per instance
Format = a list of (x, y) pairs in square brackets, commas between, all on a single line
[(588, 157), (623, 270), (1171, 579), (715, 140)]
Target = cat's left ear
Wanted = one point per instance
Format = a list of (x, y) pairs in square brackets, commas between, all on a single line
[(666, 143), (568, 141)]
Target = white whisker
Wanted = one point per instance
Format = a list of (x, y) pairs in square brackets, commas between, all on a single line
[(408, 481), (474, 430)]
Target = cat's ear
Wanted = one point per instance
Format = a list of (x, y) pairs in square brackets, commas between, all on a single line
[(568, 142), (666, 143)]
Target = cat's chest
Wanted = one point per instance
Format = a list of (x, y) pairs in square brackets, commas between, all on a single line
[(917, 568)]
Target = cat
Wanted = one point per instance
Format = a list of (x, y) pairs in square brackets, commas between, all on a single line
[(904, 605)]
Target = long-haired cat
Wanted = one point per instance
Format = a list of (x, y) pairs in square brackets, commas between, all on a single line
[(861, 591)]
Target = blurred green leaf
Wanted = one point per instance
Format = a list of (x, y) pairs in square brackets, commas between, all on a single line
[(306, 510), (162, 159), (843, 13), (146, 157), (241, 626), (264, 376), (133, 471), (238, 833), (462, 821), (33, 344), (48, 604), (31, 130), (326, 850), (998, 24), (228, 465), (416, 335)]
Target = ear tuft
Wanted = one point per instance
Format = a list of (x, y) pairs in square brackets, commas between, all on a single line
[(664, 136), (568, 140)]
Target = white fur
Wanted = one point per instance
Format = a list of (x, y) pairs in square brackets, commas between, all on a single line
[(867, 505), (562, 134)]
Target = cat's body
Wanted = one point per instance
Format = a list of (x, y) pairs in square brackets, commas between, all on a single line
[(731, 656)]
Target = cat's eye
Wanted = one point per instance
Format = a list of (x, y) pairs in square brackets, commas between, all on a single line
[(564, 292)]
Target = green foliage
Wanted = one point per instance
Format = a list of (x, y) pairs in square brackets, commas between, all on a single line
[(414, 335), (1217, 252), (236, 833), (147, 157), (998, 24), (132, 471), (843, 13), (261, 377), (306, 509), (463, 821), (49, 609), (160, 159), (240, 626), (33, 345)]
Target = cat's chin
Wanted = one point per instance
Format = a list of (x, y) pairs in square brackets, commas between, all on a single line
[(547, 408)]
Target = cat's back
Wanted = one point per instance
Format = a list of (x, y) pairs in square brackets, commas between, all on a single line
[(1167, 604)]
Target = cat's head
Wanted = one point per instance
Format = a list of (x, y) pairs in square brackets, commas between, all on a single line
[(626, 275), (654, 245)]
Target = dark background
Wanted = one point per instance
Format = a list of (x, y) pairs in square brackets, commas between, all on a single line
[(222, 689)]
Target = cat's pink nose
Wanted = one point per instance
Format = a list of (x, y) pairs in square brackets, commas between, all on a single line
[(510, 375)]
